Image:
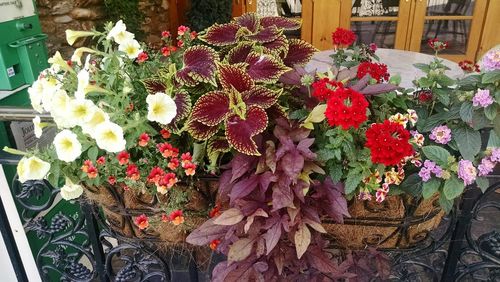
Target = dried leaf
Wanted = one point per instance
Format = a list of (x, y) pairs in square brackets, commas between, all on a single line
[(229, 217), (207, 232), (302, 240), (240, 250)]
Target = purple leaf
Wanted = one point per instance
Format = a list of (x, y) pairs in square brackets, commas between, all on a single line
[(244, 187), (320, 260), (292, 164), (282, 197), (347, 74), (154, 85), (200, 64), (272, 237), (265, 179), (271, 156), (231, 216), (294, 76), (361, 83), (240, 132), (222, 34), (240, 250), (303, 148), (299, 53), (298, 189), (379, 89), (200, 131), (211, 108), (280, 22), (232, 76), (183, 102), (260, 96), (266, 35), (206, 233), (264, 68), (239, 53), (249, 20), (277, 47), (241, 164)]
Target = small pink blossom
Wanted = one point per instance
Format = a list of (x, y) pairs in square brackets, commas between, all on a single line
[(482, 98), (441, 134)]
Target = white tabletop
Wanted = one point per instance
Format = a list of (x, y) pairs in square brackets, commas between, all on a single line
[(397, 61)]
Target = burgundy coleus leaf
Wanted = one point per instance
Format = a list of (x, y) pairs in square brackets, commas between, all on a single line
[(154, 85), (233, 76), (279, 46), (276, 111), (222, 34), (265, 68), (240, 132), (239, 53), (244, 187), (299, 52), (207, 232), (199, 65), (260, 96), (201, 131), (280, 22), (211, 108), (183, 102), (266, 35), (218, 144), (249, 20)]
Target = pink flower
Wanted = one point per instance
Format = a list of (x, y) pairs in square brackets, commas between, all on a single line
[(495, 155), (441, 134), (142, 221), (467, 172), (143, 139), (182, 29), (482, 98), (165, 34), (485, 167)]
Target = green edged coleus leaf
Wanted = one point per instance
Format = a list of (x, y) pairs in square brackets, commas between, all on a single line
[(265, 68), (218, 144), (266, 35), (240, 132), (234, 76), (249, 21), (200, 131), (299, 53), (199, 65), (278, 47), (154, 85), (211, 108), (222, 34), (260, 96), (182, 101), (239, 53), (281, 23)]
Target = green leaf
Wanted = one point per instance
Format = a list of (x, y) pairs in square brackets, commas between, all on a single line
[(425, 82), (353, 179), (468, 142), (496, 125), (443, 96), (491, 77), (92, 153), (466, 111), (444, 80), (479, 120), (483, 183), (395, 79), (412, 185), (335, 171), (493, 140), (325, 154), (423, 67), (299, 114), (446, 204), (491, 111), (469, 81), (436, 154), (453, 188), (430, 187)]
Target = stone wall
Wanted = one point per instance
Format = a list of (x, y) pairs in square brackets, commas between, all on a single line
[(57, 16)]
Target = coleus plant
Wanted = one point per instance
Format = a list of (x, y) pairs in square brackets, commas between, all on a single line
[(272, 228)]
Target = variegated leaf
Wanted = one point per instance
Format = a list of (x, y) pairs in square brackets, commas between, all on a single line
[(183, 102), (222, 34), (239, 53), (260, 96), (250, 21), (265, 68), (234, 76), (200, 131), (266, 35), (211, 108), (218, 144), (281, 23), (154, 85), (279, 46), (276, 112), (299, 52), (199, 64), (240, 132), (184, 78)]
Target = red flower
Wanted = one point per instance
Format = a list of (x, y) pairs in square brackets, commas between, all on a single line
[(142, 221), (168, 181), (142, 57), (214, 244), (373, 47), (155, 175), (215, 211), (180, 43), (86, 165), (143, 140), (101, 160), (133, 172), (167, 150), (172, 48), (165, 34), (469, 66), (437, 45), (388, 143), (92, 172), (342, 36), (165, 51), (164, 217), (186, 158), (165, 133), (377, 71), (324, 88), (130, 107), (194, 34), (112, 180), (190, 169), (346, 108), (424, 96), (123, 157), (182, 29), (173, 164), (176, 217)]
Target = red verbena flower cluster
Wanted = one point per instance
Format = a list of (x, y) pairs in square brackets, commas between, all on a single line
[(469, 66), (388, 143), (346, 108), (437, 45), (342, 36), (324, 88), (377, 71)]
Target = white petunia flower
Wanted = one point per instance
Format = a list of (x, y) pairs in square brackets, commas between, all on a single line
[(161, 108), (70, 190), (131, 48), (80, 111), (73, 35), (109, 137), (68, 148), (38, 127), (50, 87), (98, 117), (32, 168), (58, 63), (35, 92), (77, 55), (83, 82)]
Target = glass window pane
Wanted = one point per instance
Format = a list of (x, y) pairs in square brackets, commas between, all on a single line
[(375, 8), (456, 32), (450, 7), (382, 33)]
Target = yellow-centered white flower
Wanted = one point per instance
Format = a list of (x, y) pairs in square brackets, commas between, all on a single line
[(70, 190), (131, 48), (83, 83), (77, 55), (35, 93), (38, 127), (58, 63), (60, 106), (119, 33), (161, 108), (50, 86), (80, 111), (72, 35), (98, 117), (32, 168), (68, 148), (109, 137)]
